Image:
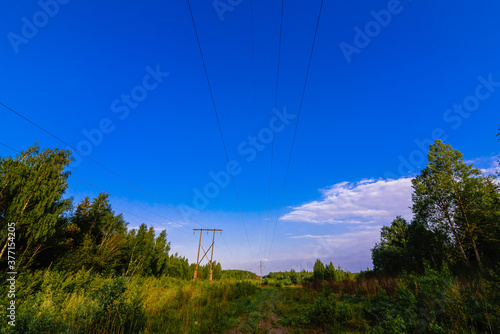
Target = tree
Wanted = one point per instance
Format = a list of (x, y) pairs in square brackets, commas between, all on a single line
[(426, 247), (391, 253), (330, 272), (162, 247), (95, 237), (178, 267), (318, 270), (293, 276), (447, 197), (31, 188), (141, 246)]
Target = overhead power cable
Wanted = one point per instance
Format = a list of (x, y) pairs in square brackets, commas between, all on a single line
[(274, 123), (127, 212), (132, 203), (111, 194), (256, 119), (98, 163), (219, 125), (297, 123)]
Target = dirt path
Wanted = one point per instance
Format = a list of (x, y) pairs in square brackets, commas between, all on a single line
[(261, 318)]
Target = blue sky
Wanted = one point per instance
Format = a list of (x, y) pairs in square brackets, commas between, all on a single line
[(386, 78)]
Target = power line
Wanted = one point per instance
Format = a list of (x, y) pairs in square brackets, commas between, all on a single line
[(134, 204), (230, 252), (255, 108), (105, 191), (123, 211), (219, 125), (13, 149), (274, 123), (97, 163), (297, 124), (130, 202)]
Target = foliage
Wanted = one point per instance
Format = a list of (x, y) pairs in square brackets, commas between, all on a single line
[(318, 270), (456, 220), (31, 188), (456, 201), (83, 271), (58, 302)]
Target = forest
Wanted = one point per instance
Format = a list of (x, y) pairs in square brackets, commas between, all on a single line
[(76, 267)]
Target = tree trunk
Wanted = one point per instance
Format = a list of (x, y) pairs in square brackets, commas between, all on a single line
[(9, 237), (464, 211), (458, 239), (476, 253)]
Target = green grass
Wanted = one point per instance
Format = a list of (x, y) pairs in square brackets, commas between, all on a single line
[(54, 302), (50, 302)]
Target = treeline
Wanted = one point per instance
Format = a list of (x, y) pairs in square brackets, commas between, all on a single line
[(238, 274), (286, 278), (51, 232), (455, 224), (320, 272), (456, 221), (437, 273)]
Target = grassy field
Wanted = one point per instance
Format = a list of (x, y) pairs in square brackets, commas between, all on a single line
[(52, 302)]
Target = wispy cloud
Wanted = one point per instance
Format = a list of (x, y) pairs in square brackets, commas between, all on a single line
[(492, 169), (351, 248), (366, 201), (487, 165)]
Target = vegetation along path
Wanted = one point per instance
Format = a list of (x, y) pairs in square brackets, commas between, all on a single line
[(260, 316), (263, 314)]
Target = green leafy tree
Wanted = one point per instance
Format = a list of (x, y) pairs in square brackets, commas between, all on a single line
[(178, 267), (293, 276), (426, 247), (162, 247), (390, 254), (31, 188), (330, 272), (148, 255), (454, 198), (318, 270), (141, 246), (95, 237)]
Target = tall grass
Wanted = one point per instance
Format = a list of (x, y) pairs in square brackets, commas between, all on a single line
[(51, 302), (433, 303)]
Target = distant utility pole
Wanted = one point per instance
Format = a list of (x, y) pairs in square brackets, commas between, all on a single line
[(198, 261), (260, 271)]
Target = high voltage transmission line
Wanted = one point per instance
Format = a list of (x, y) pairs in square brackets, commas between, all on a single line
[(254, 88), (221, 136), (274, 123), (297, 123), (97, 163), (116, 196), (136, 205), (219, 126)]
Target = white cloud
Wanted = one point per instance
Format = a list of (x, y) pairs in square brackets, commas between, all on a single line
[(492, 169), (487, 165), (351, 249), (367, 201)]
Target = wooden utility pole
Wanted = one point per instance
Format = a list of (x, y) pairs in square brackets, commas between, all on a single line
[(198, 261)]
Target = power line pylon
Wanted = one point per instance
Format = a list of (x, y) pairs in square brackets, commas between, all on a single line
[(198, 261)]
